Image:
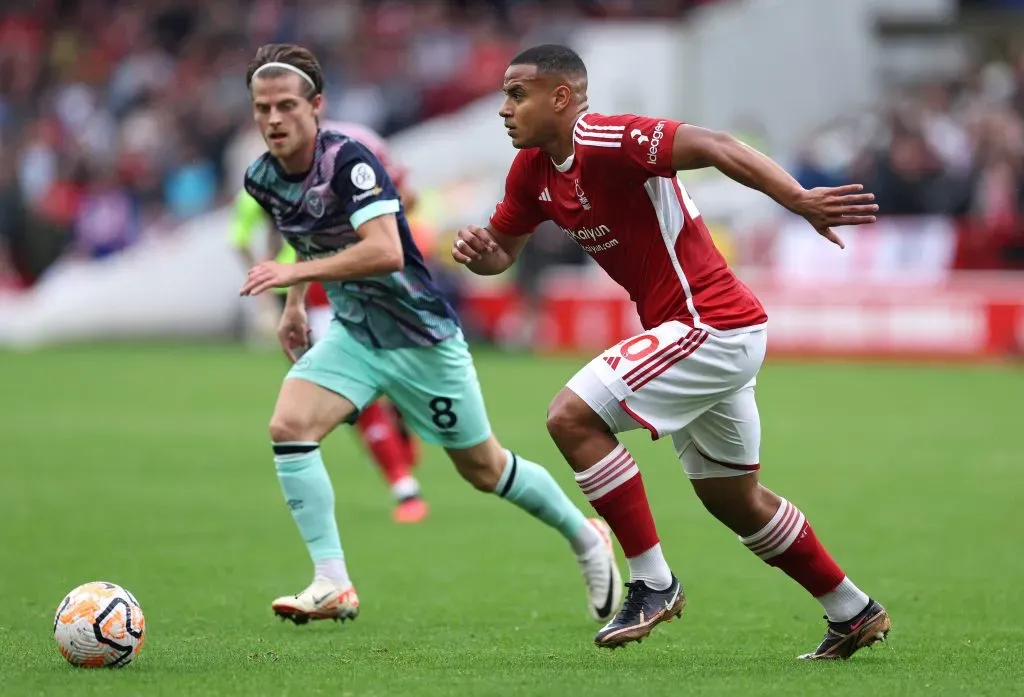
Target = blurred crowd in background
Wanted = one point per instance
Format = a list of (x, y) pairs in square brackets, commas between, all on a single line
[(953, 147), (115, 116)]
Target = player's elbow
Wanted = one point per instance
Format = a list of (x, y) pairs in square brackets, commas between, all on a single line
[(391, 260), (388, 254)]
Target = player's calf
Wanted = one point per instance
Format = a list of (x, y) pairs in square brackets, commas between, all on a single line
[(491, 468), (778, 533), (739, 502)]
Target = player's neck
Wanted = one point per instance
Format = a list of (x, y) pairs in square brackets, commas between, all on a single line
[(300, 162), (559, 151), (561, 148)]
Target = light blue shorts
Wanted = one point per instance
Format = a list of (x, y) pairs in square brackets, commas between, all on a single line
[(435, 387)]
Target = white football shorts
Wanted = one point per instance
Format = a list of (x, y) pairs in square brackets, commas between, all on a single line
[(684, 382)]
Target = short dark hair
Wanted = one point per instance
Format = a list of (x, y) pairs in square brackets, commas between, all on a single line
[(290, 54), (552, 59)]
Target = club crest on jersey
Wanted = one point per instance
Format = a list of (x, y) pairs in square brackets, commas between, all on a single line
[(584, 201), (315, 203)]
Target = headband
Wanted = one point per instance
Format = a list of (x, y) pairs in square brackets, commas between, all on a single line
[(286, 66)]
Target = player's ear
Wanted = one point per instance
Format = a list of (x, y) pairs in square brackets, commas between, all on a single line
[(561, 98), (318, 102)]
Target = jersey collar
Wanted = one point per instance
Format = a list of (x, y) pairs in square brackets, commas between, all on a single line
[(567, 165)]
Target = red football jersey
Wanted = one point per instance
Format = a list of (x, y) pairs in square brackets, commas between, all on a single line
[(618, 197)]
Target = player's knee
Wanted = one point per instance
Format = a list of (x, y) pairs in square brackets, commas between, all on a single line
[(481, 465), (570, 419), (290, 428), (729, 498), (481, 473), (482, 476), (714, 499)]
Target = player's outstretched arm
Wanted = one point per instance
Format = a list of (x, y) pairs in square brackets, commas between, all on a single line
[(485, 251), (824, 207)]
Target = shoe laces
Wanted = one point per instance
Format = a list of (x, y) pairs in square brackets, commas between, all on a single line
[(634, 601)]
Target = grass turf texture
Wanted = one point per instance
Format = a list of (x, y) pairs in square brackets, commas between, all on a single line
[(150, 466)]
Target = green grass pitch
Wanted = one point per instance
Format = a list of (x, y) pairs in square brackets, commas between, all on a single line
[(150, 466)]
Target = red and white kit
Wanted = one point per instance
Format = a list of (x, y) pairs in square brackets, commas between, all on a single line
[(691, 374)]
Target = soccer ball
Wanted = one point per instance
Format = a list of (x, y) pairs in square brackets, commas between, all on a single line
[(99, 624)]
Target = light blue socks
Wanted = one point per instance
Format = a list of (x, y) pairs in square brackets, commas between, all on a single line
[(310, 497), (532, 488)]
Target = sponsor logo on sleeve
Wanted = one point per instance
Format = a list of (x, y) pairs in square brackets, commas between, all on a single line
[(652, 151)]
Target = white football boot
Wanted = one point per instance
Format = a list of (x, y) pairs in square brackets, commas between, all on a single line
[(601, 572), (322, 600)]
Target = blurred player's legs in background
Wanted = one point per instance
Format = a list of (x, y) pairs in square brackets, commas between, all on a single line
[(549, 249), (381, 429), (319, 317), (699, 389)]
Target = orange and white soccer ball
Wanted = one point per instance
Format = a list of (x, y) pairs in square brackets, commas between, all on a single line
[(99, 624)]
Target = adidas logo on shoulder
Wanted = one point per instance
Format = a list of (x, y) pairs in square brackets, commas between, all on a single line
[(544, 195)]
